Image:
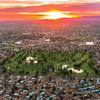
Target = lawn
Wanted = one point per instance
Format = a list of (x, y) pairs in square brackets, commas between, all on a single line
[(46, 60)]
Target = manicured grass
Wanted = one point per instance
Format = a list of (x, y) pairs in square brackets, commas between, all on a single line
[(51, 59)]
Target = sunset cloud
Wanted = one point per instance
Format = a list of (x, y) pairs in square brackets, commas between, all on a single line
[(34, 9), (23, 3)]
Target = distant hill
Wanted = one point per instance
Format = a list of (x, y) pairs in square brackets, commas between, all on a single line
[(68, 20), (89, 18), (59, 21)]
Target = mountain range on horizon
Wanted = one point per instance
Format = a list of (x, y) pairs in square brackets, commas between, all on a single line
[(61, 19)]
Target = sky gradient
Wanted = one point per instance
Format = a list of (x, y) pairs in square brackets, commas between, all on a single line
[(42, 9)]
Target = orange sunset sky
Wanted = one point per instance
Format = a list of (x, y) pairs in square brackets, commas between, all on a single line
[(47, 9)]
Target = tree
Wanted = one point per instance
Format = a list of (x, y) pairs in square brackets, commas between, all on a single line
[(13, 89), (37, 73), (70, 71), (27, 72)]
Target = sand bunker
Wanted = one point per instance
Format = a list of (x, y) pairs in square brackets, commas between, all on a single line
[(64, 66), (29, 59), (75, 70)]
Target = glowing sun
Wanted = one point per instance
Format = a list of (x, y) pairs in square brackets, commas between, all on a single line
[(55, 15)]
